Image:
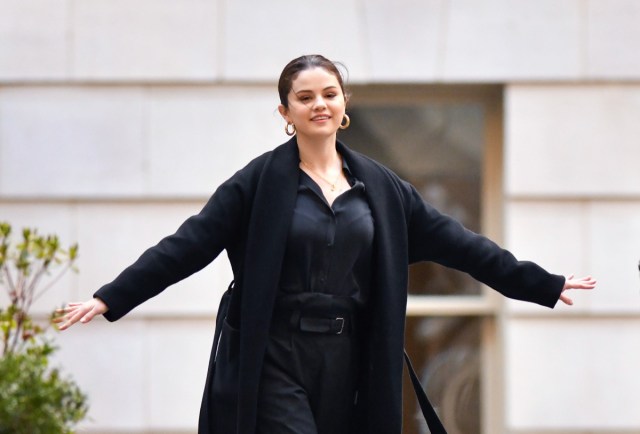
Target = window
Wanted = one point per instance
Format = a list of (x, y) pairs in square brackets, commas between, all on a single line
[(446, 141)]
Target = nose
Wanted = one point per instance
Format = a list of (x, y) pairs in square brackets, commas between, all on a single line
[(319, 103)]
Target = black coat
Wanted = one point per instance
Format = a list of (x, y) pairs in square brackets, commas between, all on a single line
[(249, 217)]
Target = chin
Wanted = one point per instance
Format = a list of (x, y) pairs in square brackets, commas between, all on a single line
[(319, 132)]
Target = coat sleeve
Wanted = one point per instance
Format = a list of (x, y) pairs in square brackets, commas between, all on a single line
[(197, 242), (436, 237)]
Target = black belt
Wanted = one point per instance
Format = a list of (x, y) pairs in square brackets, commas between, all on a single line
[(322, 314), (334, 326)]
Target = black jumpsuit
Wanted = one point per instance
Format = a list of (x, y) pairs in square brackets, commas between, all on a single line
[(308, 382)]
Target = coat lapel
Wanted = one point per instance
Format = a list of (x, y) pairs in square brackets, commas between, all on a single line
[(266, 242), (388, 302)]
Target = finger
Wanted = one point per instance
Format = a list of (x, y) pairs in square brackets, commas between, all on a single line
[(586, 279), (71, 306), (66, 323), (64, 310), (61, 315), (89, 316), (575, 284), (586, 282), (68, 308), (72, 318), (566, 300)]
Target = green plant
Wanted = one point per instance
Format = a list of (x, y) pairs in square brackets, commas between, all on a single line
[(34, 397)]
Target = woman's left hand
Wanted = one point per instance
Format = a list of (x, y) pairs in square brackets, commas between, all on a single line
[(586, 282)]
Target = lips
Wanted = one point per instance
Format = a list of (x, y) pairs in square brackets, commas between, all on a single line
[(321, 118)]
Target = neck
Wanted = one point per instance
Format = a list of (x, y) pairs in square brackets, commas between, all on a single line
[(320, 154)]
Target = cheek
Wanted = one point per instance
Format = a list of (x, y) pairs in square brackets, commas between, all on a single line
[(296, 108), (338, 105)]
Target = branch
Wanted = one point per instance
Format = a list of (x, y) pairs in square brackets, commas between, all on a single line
[(5, 339), (16, 336), (29, 293), (53, 282), (11, 287), (19, 289)]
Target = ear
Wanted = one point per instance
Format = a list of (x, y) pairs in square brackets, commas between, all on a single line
[(283, 112)]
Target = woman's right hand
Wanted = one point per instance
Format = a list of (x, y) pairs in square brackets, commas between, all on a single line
[(83, 312)]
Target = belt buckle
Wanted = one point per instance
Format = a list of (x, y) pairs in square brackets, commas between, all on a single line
[(339, 332)]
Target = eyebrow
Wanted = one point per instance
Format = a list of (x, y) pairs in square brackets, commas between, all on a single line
[(309, 90)]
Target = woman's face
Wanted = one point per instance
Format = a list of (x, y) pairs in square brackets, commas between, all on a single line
[(316, 103)]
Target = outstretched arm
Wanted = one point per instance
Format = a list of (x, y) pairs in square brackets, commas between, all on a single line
[(196, 243), (586, 282), (83, 312), (439, 238)]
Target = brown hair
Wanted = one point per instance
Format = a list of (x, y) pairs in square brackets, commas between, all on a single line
[(302, 63)]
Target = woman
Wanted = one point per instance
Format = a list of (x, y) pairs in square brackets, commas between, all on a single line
[(319, 238)]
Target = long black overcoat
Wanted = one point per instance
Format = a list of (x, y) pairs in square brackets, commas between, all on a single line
[(249, 217)]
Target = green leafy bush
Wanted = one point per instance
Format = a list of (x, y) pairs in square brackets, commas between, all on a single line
[(34, 397)]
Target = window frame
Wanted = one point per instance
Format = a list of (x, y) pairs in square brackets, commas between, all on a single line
[(488, 305)]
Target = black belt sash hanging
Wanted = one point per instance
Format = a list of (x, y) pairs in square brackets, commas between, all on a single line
[(433, 422)]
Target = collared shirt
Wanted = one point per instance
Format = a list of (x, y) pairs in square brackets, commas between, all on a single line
[(329, 248)]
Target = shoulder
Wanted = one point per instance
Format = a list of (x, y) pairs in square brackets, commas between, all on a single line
[(375, 173), (253, 170)]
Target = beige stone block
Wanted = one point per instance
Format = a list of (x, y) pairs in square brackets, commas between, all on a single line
[(498, 40), (114, 235), (179, 353), (613, 39), (200, 136), (260, 38), (61, 142), (110, 363), (614, 244), (405, 39), (552, 233), (589, 238), (47, 218), (145, 39), (574, 375), (33, 39), (555, 235), (572, 140)]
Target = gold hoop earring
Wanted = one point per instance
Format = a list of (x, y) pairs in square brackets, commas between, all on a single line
[(290, 132), (347, 122)]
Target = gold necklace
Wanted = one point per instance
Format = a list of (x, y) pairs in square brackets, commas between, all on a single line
[(332, 185)]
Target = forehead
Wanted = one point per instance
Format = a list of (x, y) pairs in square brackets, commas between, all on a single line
[(314, 79)]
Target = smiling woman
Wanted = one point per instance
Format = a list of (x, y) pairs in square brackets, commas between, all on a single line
[(315, 108), (317, 101), (309, 337)]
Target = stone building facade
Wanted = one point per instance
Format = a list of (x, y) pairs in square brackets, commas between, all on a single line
[(119, 118)]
